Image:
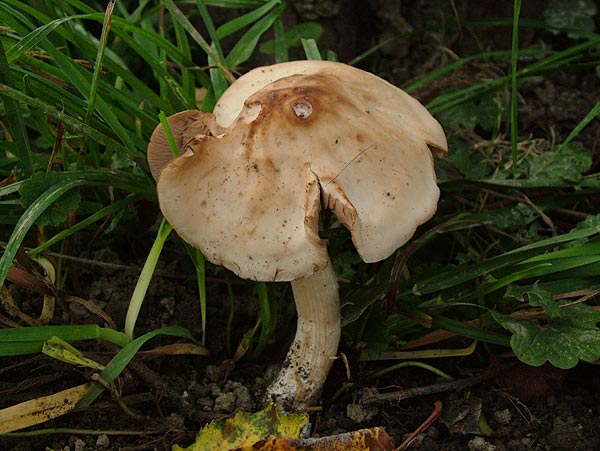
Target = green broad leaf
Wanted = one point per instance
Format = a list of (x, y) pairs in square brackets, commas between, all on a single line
[(564, 166), (573, 14), (471, 163), (536, 297), (461, 158), (590, 221), (566, 162), (514, 217), (56, 213), (293, 37), (244, 430), (562, 341), (482, 112), (29, 217), (358, 302), (376, 335)]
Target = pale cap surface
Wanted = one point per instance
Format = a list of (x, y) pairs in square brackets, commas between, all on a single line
[(330, 136)]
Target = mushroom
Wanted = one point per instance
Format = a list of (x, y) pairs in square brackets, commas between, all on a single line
[(284, 142)]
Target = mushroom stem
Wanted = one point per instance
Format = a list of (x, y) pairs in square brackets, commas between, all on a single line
[(315, 345)]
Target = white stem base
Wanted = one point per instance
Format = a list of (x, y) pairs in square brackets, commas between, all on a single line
[(315, 345)]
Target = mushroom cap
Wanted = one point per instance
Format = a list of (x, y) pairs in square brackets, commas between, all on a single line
[(184, 126), (328, 136), (376, 92)]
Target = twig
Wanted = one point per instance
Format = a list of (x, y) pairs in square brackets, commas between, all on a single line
[(459, 384), (93, 308), (428, 422), (117, 397)]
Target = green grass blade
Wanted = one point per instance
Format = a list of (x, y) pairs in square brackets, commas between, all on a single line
[(212, 32), (10, 189), (595, 111), (267, 317), (29, 340), (81, 80), (123, 102), (514, 133), (243, 21), (551, 63), (244, 48), (76, 125), (36, 36), (196, 36), (591, 247), (103, 212), (121, 26), (15, 120), (514, 276), (71, 180), (98, 62), (122, 359), (168, 133), (188, 81), (141, 287), (200, 266), (464, 274), (119, 179), (375, 48), (465, 330), (87, 44), (234, 3), (310, 49), (433, 75), (161, 72), (281, 48)]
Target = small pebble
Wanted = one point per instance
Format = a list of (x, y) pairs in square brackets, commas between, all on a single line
[(243, 398), (480, 444), (79, 445), (360, 413), (176, 421), (433, 432), (502, 416), (215, 373), (103, 441), (225, 402)]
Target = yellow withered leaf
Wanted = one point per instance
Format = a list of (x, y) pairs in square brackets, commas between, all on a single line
[(41, 409), (244, 430), (269, 430), (373, 439), (59, 349)]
